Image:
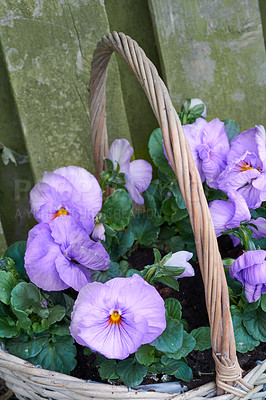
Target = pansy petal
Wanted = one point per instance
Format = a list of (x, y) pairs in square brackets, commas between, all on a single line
[(261, 225), (120, 151), (141, 174), (134, 193), (41, 194), (90, 254), (74, 275), (40, 257), (65, 231), (241, 211), (153, 311), (179, 259), (260, 140), (251, 195), (221, 213), (86, 185), (253, 292)]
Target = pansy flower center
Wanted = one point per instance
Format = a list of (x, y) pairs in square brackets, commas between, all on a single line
[(115, 317), (244, 166), (61, 211)]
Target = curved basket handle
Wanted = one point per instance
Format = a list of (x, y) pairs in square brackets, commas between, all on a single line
[(179, 154)]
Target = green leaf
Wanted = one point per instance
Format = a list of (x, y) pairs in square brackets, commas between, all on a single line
[(17, 252), (145, 232), (177, 368), (172, 213), (107, 370), (202, 336), (8, 328), (126, 240), (56, 313), (28, 349), (187, 346), (153, 200), (244, 341), (169, 281), (26, 297), (255, 323), (103, 276), (24, 321), (57, 355), (156, 151), (59, 330), (145, 354), (172, 270), (175, 190), (118, 209), (172, 337), (7, 283), (132, 271), (131, 372), (173, 308), (263, 302), (124, 266), (232, 129)]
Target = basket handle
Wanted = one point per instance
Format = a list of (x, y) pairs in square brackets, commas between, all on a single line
[(180, 157)]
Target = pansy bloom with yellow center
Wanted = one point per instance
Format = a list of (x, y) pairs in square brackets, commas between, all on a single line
[(67, 191), (246, 169), (117, 317)]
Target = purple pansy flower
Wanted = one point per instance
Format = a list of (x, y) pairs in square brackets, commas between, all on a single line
[(260, 232), (209, 146), (250, 270), (98, 232), (246, 169), (67, 191), (138, 173), (60, 255), (117, 317), (180, 259), (229, 214)]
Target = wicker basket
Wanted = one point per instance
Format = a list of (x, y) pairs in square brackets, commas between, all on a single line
[(29, 382)]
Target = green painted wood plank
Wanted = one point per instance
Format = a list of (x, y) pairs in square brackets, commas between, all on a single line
[(48, 47), (214, 50), (262, 4), (3, 245), (15, 181), (132, 17)]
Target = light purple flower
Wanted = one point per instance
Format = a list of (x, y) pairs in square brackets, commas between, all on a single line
[(229, 214), (60, 255), (138, 173), (196, 102), (67, 191), (250, 270), (209, 146), (260, 232), (180, 259), (117, 317), (246, 169), (98, 233)]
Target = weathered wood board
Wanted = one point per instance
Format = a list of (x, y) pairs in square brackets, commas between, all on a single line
[(48, 47), (214, 50)]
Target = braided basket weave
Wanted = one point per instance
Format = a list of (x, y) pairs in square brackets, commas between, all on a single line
[(29, 382)]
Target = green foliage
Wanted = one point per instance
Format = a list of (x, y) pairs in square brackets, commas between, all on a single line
[(7, 282), (57, 355), (202, 336), (178, 368), (107, 369), (255, 323), (103, 276), (124, 243), (131, 372), (145, 232), (173, 308), (157, 154), (145, 354), (17, 252), (232, 129), (171, 339), (188, 344), (244, 341), (117, 210)]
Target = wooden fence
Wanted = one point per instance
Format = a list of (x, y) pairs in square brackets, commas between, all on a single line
[(211, 49)]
